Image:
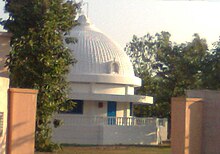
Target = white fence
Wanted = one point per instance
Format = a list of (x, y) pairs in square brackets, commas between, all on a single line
[(98, 120), (77, 129)]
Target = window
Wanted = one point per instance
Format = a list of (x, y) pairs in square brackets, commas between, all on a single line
[(78, 107), (114, 67)]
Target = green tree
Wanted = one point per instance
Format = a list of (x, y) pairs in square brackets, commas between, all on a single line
[(211, 68), (38, 58), (167, 69)]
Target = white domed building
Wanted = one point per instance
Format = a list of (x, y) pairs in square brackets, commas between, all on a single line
[(103, 71), (102, 85)]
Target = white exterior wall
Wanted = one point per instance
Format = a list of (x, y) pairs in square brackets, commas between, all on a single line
[(123, 109), (102, 88), (90, 108), (128, 109), (109, 89), (89, 135), (4, 85), (130, 90), (80, 87)]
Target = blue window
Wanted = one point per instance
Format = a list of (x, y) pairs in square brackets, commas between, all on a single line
[(111, 112), (78, 107)]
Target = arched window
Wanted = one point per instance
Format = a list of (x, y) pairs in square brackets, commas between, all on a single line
[(114, 67)]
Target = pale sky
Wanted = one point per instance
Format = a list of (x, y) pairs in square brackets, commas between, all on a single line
[(121, 19)]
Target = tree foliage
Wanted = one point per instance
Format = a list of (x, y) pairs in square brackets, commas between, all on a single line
[(38, 58), (167, 69), (211, 68)]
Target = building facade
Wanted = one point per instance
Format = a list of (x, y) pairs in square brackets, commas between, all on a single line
[(102, 85)]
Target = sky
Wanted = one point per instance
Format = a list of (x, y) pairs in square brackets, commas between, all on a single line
[(121, 19)]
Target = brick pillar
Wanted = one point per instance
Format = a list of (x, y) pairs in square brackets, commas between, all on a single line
[(21, 121), (186, 126)]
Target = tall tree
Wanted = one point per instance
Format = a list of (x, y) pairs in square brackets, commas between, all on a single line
[(211, 68), (167, 69), (38, 58)]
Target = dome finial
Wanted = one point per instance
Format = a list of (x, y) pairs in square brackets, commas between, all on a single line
[(81, 10), (83, 20), (87, 8)]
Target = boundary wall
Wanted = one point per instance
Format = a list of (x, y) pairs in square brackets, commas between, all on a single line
[(195, 127)]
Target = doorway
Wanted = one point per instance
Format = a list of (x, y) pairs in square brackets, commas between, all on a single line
[(111, 112)]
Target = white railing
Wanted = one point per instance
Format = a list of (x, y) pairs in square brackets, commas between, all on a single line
[(99, 120), (130, 121)]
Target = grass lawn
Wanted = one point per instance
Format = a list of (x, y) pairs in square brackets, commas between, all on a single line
[(112, 150)]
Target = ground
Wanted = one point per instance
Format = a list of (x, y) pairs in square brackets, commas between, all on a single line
[(113, 150)]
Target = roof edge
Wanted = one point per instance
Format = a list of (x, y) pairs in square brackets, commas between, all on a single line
[(105, 78), (118, 98)]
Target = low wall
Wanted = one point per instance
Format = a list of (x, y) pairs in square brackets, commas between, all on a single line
[(130, 135), (96, 131), (4, 84), (89, 135)]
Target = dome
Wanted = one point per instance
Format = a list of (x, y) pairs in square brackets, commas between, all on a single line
[(98, 57)]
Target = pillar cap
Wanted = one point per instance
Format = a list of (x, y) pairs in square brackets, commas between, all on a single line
[(22, 90)]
